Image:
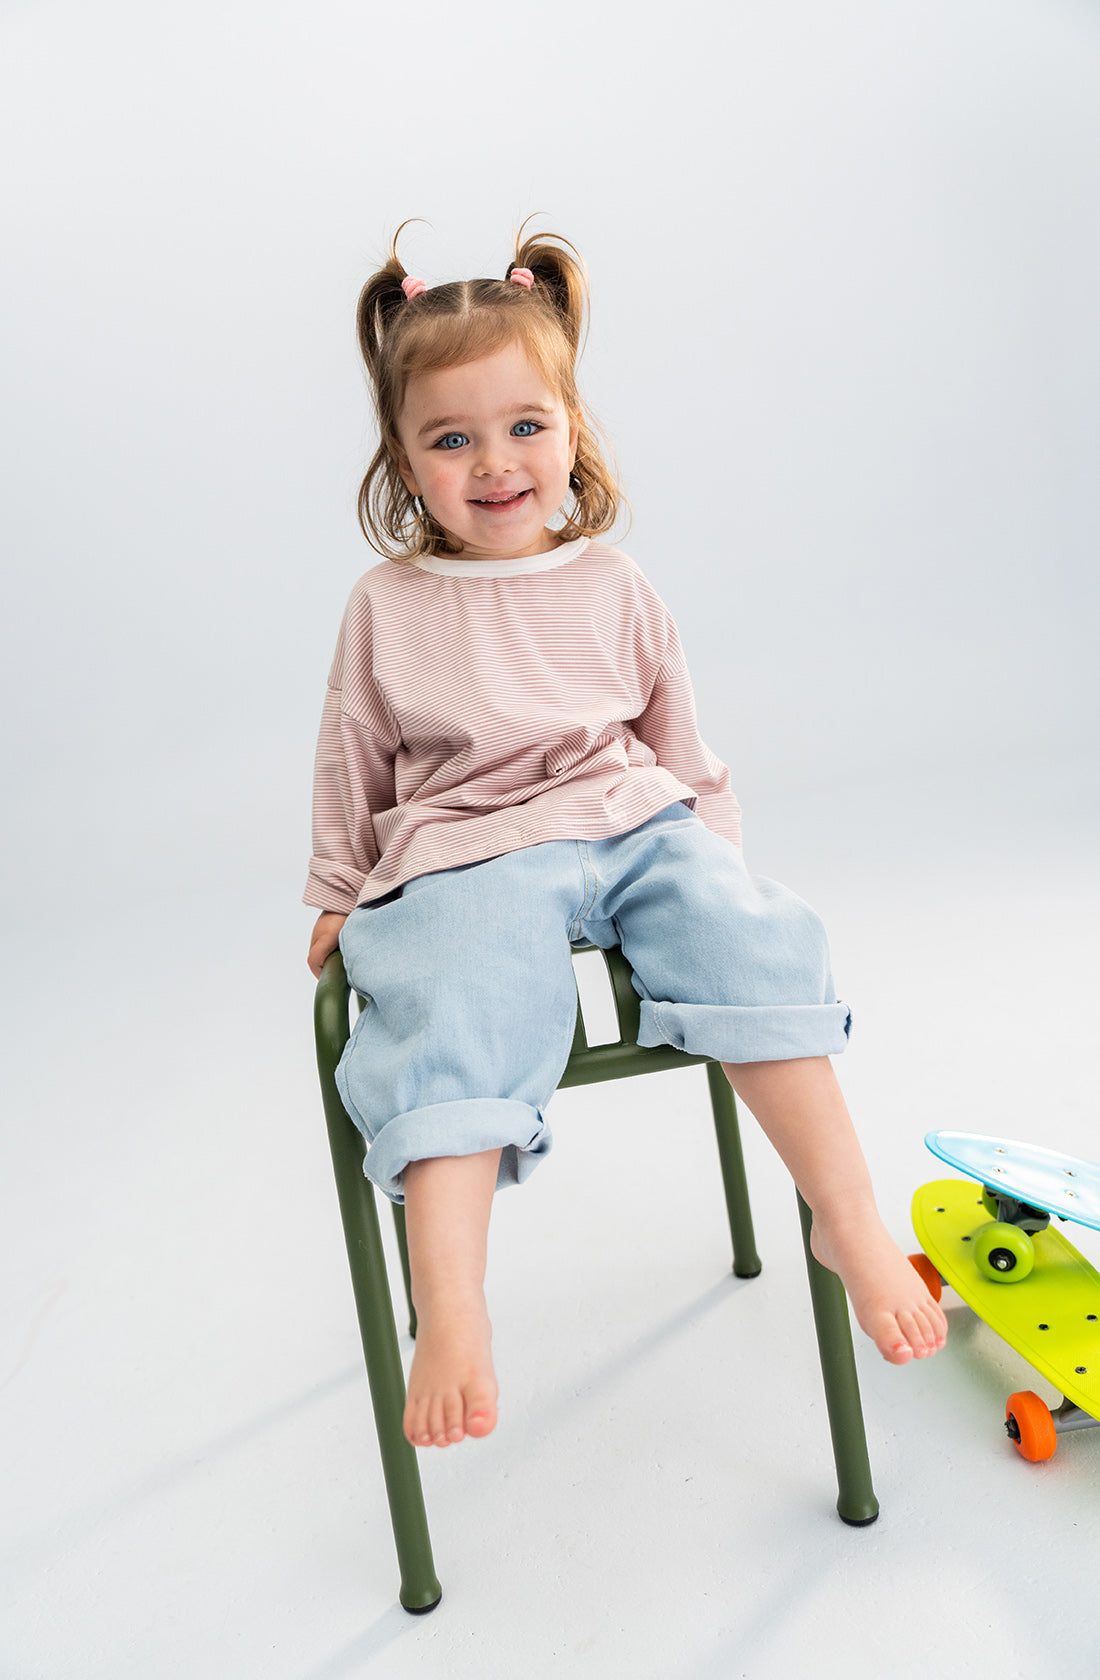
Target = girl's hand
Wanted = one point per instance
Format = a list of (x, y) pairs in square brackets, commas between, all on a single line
[(324, 939)]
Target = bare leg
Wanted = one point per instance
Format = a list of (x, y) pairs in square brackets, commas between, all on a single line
[(452, 1386), (801, 1108)]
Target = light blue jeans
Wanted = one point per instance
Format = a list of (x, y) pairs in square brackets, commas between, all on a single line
[(472, 1000)]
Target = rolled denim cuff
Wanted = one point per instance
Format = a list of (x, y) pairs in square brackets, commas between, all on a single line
[(465, 1127), (769, 1032)]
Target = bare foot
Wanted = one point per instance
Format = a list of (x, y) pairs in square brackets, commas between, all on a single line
[(452, 1386), (890, 1301)]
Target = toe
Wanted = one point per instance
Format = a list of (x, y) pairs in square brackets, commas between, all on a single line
[(896, 1341), (932, 1335), (416, 1426), (911, 1326), (481, 1413), (437, 1421), (452, 1417)]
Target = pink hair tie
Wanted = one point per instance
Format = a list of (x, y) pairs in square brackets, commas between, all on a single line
[(412, 288), (522, 277)]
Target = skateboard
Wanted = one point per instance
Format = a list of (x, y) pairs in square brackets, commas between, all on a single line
[(994, 1244)]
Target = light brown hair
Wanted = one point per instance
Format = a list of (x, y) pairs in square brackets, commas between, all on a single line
[(462, 321)]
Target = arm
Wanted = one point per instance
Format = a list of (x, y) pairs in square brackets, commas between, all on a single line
[(353, 778), (668, 726)]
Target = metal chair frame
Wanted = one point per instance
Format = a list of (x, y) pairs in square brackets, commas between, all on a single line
[(420, 1590)]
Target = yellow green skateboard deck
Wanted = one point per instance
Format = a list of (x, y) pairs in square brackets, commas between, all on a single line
[(1051, 1316)]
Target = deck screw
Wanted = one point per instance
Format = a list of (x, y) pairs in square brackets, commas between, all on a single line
[(1081, 1370), (1044, 1326)]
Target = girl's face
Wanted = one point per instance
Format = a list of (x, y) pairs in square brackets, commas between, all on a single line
[(489, 446)]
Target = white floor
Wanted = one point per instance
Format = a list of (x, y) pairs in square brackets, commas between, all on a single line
[(191, 1486)]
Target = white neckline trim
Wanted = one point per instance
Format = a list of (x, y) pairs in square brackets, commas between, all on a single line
[(450, 565)]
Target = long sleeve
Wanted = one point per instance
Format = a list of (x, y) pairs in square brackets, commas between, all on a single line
[(353, 774), (669, 727)]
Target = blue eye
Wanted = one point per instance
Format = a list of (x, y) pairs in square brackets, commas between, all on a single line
[(453, 440), (526, 428)]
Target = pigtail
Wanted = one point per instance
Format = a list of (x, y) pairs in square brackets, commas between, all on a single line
[(389, 515), (560, 275), (380, 302), (385, 505), (562, 282)]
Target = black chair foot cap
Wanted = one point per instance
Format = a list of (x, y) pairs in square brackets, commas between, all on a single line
[(422, 1609), (858, 1522)]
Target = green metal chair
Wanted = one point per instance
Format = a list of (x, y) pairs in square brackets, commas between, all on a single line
[(420, 1590)]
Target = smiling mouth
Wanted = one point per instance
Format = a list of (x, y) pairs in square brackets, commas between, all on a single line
[(500, 501)]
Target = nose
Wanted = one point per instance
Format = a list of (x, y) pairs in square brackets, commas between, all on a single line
[(494, 458)]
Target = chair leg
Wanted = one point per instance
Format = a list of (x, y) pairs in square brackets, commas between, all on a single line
[(746, 1261), (420, 1590), (403, 1251), (856, 1503)]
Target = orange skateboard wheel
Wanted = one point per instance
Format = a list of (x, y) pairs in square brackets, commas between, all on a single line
[(928, 1274), (1035, 1436)]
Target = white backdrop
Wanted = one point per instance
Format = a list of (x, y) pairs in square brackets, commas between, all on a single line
[(844, 263), (845, 260)]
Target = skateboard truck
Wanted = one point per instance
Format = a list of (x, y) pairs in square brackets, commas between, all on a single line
[(1067, 1416), (1008, 1210)]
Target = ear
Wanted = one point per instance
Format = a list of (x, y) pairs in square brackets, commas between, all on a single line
[(401, 461), (574, 435)]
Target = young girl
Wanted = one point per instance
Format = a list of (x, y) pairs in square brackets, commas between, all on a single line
[(509, 761)]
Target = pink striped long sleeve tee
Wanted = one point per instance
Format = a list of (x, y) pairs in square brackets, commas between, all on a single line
[(474, 707)]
